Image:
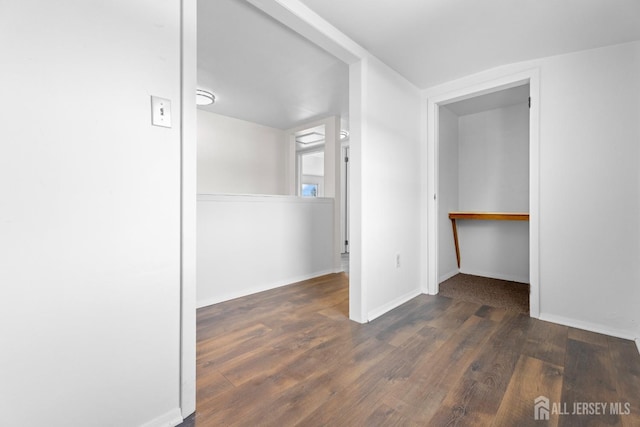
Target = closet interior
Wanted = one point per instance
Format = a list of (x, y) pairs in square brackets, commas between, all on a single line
[(483, 198)]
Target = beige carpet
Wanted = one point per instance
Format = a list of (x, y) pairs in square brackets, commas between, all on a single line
[(513, 296)]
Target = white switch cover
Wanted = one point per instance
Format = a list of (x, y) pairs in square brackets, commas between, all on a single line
[(160, 112)]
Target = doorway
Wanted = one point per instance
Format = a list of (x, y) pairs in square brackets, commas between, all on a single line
[(438, 225), (310, 149)]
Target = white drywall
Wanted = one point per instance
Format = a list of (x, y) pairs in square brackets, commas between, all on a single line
[(89, 213), (248, 244), (589, 185), (447, 191), (390, 189), (494, 177), (236, 156)]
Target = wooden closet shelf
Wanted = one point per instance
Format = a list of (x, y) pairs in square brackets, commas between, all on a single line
[(495, 216), (487, 216)]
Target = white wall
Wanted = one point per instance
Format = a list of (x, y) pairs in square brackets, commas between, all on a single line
[(236, 156), (389, 183), (447, 192), (89, 213), (248, 244), (590, 188), (589, 185), (494, 177)]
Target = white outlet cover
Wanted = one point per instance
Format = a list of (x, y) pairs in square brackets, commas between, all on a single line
[(160, 112)]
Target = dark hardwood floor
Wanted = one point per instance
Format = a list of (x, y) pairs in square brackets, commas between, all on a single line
[(291, 356)]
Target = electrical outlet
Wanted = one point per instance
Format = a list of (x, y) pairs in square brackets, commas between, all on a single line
[(397, 260)]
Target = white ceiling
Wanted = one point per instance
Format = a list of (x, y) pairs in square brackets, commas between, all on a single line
[(266, 73), (263, 72), (434, 41)]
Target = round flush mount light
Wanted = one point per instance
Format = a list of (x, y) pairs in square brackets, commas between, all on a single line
[(204, 98), (344, 134)]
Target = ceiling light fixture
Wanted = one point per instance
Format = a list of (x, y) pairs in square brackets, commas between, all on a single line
[(204, 98), (310, 138)]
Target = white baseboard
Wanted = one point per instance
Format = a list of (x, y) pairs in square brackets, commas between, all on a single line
[(448, 275), (493, 275), (170, 419), (375, 313), (261, 288), (588, 326)]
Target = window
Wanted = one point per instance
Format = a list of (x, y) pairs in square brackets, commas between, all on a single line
[(309, 190)]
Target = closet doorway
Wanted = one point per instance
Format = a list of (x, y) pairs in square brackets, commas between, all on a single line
[(484, 166)]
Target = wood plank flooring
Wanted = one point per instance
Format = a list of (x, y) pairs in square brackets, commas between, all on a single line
[(291, 356)]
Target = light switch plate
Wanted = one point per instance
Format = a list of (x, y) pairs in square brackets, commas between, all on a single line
[(160, 112)]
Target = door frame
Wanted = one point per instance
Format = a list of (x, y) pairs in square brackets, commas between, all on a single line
[(188, 195), (344, 207), (469, 88)]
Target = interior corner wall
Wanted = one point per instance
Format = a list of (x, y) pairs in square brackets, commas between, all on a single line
[(494, 177), (390, 189), (240, 157), (447, 191), (89, 213)]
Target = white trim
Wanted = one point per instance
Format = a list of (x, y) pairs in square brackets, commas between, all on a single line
[(638, 344), (534, 193), (170, 419), (266, 287), (447, 276), (424, 200), (375, 313), (467, 88), (357, 98), (432, 204), (587, 326), (188, 189)]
